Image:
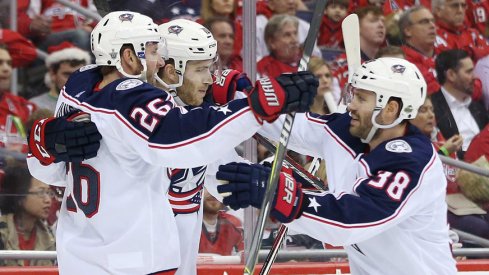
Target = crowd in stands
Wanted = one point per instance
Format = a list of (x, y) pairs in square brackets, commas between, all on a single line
[(448, 40)]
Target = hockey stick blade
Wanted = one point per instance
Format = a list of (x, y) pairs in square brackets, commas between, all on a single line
[(281, 149), (351, 37)]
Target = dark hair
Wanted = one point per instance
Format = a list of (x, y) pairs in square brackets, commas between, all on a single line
[(448, 60), (72, 62), (3, 46), (344, 3), (364, 11), (16, 184)]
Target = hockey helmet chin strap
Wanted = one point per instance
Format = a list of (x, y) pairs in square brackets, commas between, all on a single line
[(142, 76), (377, 126)]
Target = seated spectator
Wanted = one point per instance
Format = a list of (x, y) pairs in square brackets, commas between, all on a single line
[(330, 33), (14, 110), (63, 60), (221, 233), (222, 29), (463, 214), (265, 11), (456, 112), (47, 23), (283, 43), (25, 204), (324, 102), (21, 49), (372, 37), (227, 9), (418, 31), (453, 33)]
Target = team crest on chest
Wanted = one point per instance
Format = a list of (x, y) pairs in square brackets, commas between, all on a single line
[(186, 186), (128, 84), (398, 146)]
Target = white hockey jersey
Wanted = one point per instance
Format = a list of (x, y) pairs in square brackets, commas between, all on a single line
[(115, 216), (386, 207)]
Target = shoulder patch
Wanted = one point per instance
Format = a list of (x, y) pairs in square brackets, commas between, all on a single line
[(88, 67), (128, 84), (398, 146)]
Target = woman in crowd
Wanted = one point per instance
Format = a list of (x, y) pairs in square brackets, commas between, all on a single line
[(25, 203)]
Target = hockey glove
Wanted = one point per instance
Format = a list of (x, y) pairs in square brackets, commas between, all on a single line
[(71, 138), (290, 92), (225, 86), (245, 185)]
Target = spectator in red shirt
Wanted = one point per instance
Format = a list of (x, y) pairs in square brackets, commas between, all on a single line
[(372, 37), (283, 43), (48, 23), (222, 29), (330, 34), (14, 110), (453, 33), (222, 233), (224, 8), (418, 32), (477, 12)]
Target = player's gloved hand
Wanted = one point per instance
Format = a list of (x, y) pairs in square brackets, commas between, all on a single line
[(290, 92), (227, 83), (70, 138), (245, 185)]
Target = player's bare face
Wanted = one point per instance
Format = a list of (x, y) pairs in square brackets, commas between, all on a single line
[(38, 202), (5, 70), (361, 108), (425, 120), (196, 81), (372, 29), (285, 44), (153, 60)]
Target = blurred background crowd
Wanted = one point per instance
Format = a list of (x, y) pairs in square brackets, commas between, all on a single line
[(446, 39)]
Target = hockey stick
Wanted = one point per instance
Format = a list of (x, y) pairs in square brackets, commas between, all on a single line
[(283, 141), (298, 169), (282, 231), (351, 37)]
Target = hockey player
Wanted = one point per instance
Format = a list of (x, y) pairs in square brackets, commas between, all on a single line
[(187, 76), (115, 217), (386, 203)]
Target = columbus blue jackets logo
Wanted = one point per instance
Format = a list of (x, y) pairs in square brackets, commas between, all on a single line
[(186, 187), (128, 84), (398, 68), (398, 146), (175, 29), (126, 17)]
